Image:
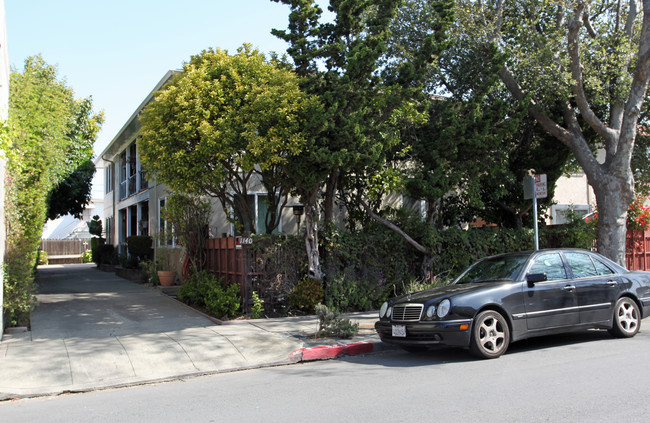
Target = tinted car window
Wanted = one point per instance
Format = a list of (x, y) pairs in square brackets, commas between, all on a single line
[(581, 265), (602, 268), (493, 268), (551, 264)]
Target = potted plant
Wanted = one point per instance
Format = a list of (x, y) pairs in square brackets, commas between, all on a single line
[(166, 256)]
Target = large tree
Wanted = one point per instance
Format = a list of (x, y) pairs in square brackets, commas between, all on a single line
[(342, 62), (224, 123), (51, 134), (590, 61)]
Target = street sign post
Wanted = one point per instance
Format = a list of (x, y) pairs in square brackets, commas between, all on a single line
[(535, 186)]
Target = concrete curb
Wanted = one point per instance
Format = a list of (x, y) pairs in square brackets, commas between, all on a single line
[(325, 352)]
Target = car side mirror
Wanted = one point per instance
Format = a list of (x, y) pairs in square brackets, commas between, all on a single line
[(533, 278)]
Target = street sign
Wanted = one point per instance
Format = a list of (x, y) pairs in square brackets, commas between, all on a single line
[(535, 187), (541, 187), (535, 184)]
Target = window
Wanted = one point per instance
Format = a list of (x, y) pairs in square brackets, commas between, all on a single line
[(602, 268), (259, 207), (109, 178), (581, 265), (551, 264), (562, 212)]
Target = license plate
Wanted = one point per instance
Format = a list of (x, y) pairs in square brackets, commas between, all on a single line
[(399, 331)]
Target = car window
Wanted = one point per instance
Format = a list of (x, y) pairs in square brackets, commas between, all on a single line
[(602, 268), (551, 264), (493, 268), (581, 265)]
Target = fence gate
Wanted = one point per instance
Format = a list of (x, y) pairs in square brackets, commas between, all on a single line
[(229, 258), (637, 250)]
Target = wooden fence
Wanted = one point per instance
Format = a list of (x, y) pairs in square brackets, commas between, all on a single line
[(61, 251), (637, 250), (230, 258)]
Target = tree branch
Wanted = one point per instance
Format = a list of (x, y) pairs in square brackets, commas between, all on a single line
[(395, 229), (609, 135)]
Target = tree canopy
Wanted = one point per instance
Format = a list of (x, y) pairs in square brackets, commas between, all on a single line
[(222, 122), (581, 69)]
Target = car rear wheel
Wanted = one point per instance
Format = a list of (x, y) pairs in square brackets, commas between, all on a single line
[(627, 318), (490, 335)]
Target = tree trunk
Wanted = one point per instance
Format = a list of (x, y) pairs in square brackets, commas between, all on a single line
[(312, 217), (330, 195), (613, 200)]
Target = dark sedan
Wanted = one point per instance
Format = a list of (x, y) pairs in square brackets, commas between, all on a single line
[(505, 298)]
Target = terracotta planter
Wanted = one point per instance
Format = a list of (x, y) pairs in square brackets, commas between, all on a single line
[(166, 277)]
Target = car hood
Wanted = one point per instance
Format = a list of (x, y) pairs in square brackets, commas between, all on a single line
[(448, 291)]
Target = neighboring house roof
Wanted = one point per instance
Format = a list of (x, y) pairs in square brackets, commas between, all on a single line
[(68, 227)]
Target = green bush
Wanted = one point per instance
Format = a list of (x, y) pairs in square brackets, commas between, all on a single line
[(306, 295), (140, 246), (204, 289), (331, 325), (87, 256), (43, 257), (129, 261), (352, 291), (258, 306), (149, 272), (104, 254)]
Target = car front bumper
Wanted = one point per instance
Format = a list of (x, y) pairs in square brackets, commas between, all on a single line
[(427, 332)]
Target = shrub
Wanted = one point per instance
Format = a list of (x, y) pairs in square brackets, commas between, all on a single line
[(95, 226), (306, 295), (578, 233), (204, 289), (279, 262), (104, 254), (331, 325), (416, 285), (129, 261), (258, 306), (149, 272), (140, 246), (352, 290), (87, 256), (43, 257)]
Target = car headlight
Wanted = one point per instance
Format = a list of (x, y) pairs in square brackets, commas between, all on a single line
[(443, 308), (383, 310), (389, 312), (431, 311)]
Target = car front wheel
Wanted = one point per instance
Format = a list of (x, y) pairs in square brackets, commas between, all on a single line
[(490, 335), (627, 319)]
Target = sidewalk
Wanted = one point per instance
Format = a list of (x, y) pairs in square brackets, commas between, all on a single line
[(94, 330)]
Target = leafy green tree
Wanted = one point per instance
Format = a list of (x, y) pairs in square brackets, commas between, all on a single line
[(590, 60), (224, 123), (344, 63), (51, 134), (72, 195)]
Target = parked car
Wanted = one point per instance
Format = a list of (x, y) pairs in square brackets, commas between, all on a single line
[(509, 297)]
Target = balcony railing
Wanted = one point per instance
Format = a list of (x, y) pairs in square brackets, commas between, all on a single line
[(129, 186)]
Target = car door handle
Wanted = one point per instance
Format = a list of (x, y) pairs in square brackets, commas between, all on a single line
[(611, 283), (570, 288)]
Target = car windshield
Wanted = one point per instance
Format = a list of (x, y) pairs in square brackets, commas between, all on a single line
[(493, 268)]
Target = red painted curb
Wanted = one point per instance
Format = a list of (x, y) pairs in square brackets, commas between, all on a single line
[(324, 352)]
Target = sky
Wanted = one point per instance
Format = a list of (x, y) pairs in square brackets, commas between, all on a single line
[(116, 51)]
